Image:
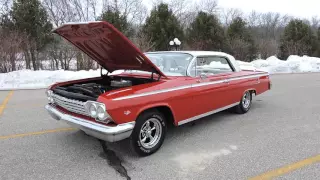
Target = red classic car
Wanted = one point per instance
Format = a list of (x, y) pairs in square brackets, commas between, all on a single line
[(152, 90)]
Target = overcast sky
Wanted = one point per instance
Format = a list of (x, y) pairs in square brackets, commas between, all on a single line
[(299, 8)]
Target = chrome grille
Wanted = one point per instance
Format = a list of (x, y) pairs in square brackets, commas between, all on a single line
[(70, 104)]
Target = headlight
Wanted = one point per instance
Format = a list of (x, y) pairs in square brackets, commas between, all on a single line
[(49, 95), (93, 110), (101, 113), (98, 111)]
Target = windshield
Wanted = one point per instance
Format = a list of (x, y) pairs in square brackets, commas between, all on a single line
[(171, 63)]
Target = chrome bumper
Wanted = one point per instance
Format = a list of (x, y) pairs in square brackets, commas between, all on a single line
[(107, 133)]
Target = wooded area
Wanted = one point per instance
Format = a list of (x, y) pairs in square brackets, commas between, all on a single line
[(26, 40)]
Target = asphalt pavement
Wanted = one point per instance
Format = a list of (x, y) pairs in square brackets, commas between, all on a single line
[(279, 137)]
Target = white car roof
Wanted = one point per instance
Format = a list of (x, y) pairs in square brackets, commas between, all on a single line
[(207, 53)]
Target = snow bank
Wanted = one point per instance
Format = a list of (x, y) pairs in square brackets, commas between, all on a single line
[(27, 79), (294, 64)]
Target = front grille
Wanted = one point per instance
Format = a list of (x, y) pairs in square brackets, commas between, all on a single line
[(70, 104)]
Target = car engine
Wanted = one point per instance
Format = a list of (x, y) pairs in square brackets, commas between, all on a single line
[(92, 90)]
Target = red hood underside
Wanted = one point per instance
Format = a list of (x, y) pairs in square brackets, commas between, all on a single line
[(107, 46)]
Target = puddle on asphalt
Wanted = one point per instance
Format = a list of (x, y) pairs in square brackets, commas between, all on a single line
[(113, 160)]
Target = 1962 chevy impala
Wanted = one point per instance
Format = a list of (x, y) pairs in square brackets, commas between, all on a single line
[(153, 89)]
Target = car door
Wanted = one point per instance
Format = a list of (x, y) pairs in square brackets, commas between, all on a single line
[(223, 67), (210, 85)]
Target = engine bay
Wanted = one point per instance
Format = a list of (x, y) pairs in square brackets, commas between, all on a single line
[(91, 90)]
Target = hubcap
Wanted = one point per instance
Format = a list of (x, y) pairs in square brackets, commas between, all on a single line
[(150, 133), (246, 99)]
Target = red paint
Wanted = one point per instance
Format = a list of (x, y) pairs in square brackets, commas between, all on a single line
[(105, 44), (184, 103)]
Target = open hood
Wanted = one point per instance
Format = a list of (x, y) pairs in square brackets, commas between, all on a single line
[(107, 46)]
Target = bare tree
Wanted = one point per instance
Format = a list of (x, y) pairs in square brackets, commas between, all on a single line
[(71, 10), (10, 44), (63, 11), (239, 49), (266, 29), (228, 15), (315, 23), (85, 10), (208, 6), (135, 10), (143, 42), (254, 19), (5, 6), (296, 48), (267, 47), (61, 53), (60, 11)]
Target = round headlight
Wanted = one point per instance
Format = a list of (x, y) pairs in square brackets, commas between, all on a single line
[(49, 93), (50, 99), (93, 110), (101, 113)]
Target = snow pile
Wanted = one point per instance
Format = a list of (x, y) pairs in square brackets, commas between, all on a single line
[(28, 79), (246, 65), (294, 64)]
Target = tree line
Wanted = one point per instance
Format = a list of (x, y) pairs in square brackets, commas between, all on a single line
[(26, 40)]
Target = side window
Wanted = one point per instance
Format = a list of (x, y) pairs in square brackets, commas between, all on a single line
[(211, 66)]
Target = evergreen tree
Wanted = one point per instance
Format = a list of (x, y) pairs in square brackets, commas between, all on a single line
[(30, 18), (317, 51), (206, 33), (241, 42), (297, 39), (117, 20), (162, 26)]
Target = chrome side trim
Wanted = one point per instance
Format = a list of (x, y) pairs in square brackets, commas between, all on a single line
[(208, 83), (104, 132), (206, 114), (190, 86), (154, 92), (248, 77)]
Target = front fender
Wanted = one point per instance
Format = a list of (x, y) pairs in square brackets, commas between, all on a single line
[(142, 109), (131, 113)]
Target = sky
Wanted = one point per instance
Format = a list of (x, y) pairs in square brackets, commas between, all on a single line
[(298, 8)]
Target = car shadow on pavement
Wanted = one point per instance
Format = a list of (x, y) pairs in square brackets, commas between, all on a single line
[(179, 133), (175, 134)]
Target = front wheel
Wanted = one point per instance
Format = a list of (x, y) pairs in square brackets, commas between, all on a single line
[(148, 133), (245, 103)]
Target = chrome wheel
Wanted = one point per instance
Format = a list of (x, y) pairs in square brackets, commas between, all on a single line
[(150, 133), (246, 100)]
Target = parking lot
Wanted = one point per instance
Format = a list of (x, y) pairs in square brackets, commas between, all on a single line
[(279, 137)]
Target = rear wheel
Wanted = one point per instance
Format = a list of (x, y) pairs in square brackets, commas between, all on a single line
[(245, 103), (148, 133)]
